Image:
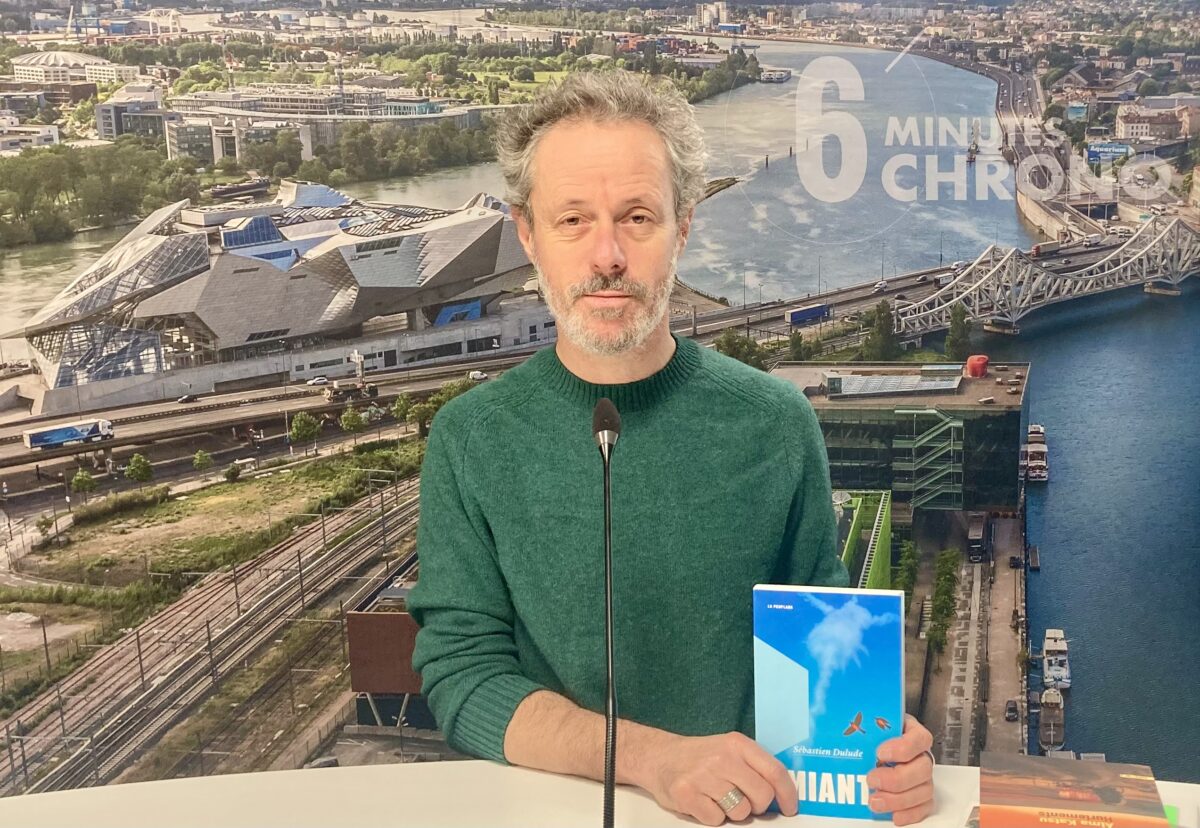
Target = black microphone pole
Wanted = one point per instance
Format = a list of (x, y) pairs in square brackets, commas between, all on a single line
[(606, 426)]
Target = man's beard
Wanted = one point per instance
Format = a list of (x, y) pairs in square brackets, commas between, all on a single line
[(642, 314)]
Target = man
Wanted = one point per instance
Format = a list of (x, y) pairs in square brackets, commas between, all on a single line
[(720, 481)]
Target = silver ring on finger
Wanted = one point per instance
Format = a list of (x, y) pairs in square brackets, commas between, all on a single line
[(731, 800)]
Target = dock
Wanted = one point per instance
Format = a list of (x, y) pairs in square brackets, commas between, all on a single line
[(1035, 561)]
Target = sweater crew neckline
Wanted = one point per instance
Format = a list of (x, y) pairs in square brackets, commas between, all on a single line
[(628, 396)]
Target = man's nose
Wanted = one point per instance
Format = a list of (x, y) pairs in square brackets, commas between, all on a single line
[(607, 256)]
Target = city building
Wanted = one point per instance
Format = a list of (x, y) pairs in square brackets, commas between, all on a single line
[(316, 117), (192, 138), (222, 99), (205, 295), (54, 66), (22, 104), (55, 94), (110, 73), (1138, 124), (128, 100), (14, 138), (933, 437), (148, 123), (401, 106), (288, 99)]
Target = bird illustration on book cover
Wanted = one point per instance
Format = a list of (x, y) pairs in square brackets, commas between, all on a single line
[(828, 688)]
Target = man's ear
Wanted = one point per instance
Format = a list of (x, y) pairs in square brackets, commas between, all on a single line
[(685, 227), (524, 230)]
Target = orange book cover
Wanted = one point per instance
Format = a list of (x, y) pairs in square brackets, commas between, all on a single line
[(1036, 792)]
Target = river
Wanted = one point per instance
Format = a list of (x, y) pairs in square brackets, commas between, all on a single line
[(1114, 382)]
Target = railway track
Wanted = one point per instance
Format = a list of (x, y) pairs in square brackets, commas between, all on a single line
[(77, 707), (110, 746), (274, 702)]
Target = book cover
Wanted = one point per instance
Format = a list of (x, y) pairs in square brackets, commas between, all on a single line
[(1017, 791), (828, 688)]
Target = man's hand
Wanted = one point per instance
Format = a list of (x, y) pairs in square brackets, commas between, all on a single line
[(906, 788), (690, 774)]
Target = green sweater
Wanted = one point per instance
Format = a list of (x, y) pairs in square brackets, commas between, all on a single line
[(720, 481)]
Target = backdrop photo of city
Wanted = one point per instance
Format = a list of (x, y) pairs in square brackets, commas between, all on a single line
[(249, 250)]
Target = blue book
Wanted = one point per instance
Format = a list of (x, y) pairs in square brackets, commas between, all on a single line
[(828, 688)]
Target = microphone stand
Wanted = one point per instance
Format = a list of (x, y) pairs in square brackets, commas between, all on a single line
[(606, 428), (610, 701)]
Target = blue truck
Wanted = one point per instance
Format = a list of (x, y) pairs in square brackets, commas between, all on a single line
[(65, 434), (806, 314)]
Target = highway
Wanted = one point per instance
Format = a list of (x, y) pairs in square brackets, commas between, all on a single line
[(146, 424)]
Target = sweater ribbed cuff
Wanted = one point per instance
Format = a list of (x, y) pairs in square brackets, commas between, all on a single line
[(483, 719)]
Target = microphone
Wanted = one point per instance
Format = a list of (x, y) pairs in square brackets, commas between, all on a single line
[(606, 428)]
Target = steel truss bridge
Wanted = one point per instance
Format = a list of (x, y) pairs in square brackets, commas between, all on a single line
[(1004, 285)]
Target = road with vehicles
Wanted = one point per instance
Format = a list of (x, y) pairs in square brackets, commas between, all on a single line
[(145, 424)]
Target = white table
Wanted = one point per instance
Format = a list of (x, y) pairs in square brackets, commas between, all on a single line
[(436, 794)]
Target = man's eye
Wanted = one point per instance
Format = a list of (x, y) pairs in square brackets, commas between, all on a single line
[(571, 221), (639, 218)]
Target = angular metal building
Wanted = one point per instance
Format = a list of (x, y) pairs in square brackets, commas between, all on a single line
[(195, 286)]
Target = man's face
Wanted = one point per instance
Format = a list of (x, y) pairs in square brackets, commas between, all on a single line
[(604, 238)]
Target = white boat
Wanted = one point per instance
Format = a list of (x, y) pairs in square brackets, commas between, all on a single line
[(1037, 469), (1035, 455), (1052, 721), (1056, 668), (775, 75)]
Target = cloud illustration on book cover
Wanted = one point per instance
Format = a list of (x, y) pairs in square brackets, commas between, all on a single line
[(837, 641)]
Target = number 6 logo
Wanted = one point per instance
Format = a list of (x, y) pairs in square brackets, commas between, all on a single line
[(812, 120)]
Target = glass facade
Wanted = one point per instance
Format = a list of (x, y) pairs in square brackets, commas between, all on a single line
[(148, 123), (246, 232), (193, 141), (929, 457)]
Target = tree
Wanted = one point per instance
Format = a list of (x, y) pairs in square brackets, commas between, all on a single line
[(881, 344), (139, 471), (359, 152), (232, 473), (352, 422), (84, 483), (742, 348), (450, 390), (906, 573), (421, 415), (305, 429), (958, 340), (801, 349), (937, 642), (314, 170), (1149, 87), (401, 406), (523, 74), (202, 461)]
